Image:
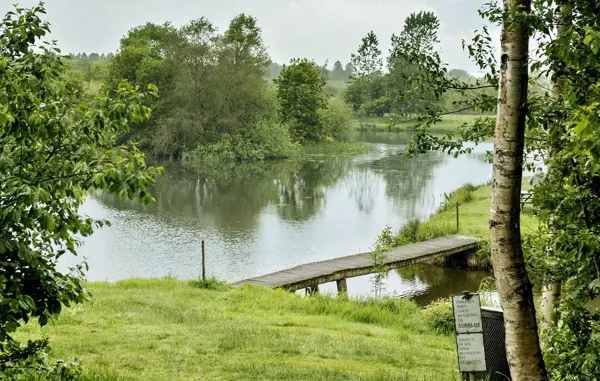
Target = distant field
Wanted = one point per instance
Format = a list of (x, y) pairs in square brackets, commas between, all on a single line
[(449, 123)]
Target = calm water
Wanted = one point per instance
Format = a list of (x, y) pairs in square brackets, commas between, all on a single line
[(263, 218)]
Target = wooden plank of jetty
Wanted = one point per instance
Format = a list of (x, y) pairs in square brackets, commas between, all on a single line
[(311, 275)]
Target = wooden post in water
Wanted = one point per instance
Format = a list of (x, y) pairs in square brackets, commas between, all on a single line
[(342, 286), (203, 263), (457, 219)]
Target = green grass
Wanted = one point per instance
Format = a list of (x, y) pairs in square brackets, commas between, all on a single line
[(474, 212), (334, 148), (172, 330), (449, 123)]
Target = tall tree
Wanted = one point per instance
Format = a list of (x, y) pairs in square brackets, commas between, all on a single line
[(349, 70), (212, 84), (337, 73), (419, 34), (561, 128), (55, 149), (244, 40), (568, 201), (516, 296), (368, 82), (300, 89), (418, 38), (367, 61)]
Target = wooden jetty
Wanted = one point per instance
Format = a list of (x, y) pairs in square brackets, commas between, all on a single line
[(310, 275)]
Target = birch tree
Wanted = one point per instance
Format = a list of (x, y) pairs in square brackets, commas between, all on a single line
[(516, 296)]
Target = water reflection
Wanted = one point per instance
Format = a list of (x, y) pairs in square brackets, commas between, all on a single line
[(261, 218), (422, 283)]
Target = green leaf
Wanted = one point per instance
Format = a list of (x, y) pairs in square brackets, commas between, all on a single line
[(582, 126)]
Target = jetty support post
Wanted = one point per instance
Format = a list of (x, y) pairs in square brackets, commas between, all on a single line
[(312, 290), (342, 286), (203, 263)]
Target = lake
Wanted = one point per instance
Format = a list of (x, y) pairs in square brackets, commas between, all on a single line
[(257, 219)]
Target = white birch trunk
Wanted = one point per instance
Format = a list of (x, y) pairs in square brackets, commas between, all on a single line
[(516, 297)]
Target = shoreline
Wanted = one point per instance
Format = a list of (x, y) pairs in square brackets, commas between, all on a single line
[(473, 209)]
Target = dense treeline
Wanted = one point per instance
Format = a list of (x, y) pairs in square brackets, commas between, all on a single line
[(378, 89), (339, 71), (215, 103), (221, 98)]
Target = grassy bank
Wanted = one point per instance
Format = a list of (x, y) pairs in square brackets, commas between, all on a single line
[(474, 212), (170, 330), (449, 123)]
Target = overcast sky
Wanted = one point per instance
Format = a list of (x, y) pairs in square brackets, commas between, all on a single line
[(316, 29)]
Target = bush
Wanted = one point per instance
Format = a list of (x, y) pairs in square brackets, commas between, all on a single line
[(408, 234), (439, 316), (483, 258), (29, 362), (429, 231), (338, 121), (578, 328), (266, 140), (462, 195)]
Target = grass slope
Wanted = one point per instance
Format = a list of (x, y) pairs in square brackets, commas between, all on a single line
[(449, 123), (170, 330), (474, 213)]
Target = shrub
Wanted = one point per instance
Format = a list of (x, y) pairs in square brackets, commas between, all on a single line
[(462, 195), (338, 121), (439, 316), (408, 234), (266, 140), (429, 231), (483, 258), (30, 362)]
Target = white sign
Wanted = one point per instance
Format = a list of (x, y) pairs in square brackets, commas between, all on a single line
[(471, 355), (467, 313)]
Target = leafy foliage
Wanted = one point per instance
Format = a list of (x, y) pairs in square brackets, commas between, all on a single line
[(263, 142), (383, 245), (54, 148), (214, 96), (368, 82), (440, 317), (301, 97), (338, 121), (419, 36), (561, 130), (30, 362), (565, 124), (402, 91)]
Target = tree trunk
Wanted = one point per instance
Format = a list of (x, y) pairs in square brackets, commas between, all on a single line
[(550, 294), (551, 291), (516, 297)]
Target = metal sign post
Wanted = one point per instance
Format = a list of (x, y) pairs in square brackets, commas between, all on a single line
[(469, 334)]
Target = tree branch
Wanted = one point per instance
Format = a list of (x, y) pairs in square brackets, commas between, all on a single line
[(457, 111), (472, 87)]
